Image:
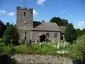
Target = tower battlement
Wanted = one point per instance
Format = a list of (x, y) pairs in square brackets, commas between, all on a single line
[(23, 8)]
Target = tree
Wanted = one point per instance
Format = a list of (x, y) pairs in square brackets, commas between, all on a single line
[(77, 51), (70, 33), (59, 21), (2, 28), (43, 20), (11, 35), (83, 31), (7, 24), (79, 32)]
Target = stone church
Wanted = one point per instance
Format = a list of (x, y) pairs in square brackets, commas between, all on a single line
[(30, 30)]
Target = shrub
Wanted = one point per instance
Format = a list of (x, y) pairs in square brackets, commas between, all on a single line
[(6, 50), (1, 40), (78, 49), (11, 35)]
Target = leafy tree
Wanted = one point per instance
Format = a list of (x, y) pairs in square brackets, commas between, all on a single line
[(2, 28), (43, 20), (79, 32), (83, 31), (59, 21), (70, 33), (7, 24), (77, 51), (11, 35)]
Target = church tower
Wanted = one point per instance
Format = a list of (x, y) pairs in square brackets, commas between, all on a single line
[(24, 23)]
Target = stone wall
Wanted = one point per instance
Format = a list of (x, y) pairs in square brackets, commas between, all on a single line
[(36, 34), (24, 22), (41, 59)]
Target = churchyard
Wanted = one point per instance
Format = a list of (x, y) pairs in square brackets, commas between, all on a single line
[(52, 48)]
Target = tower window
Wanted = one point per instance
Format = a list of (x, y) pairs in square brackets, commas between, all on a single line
[(24, 13)]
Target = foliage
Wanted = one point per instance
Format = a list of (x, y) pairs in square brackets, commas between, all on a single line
[(44, 48), (80, 32), (2, 28), (78, 49), (11, 35), (43, 20), (35, 49), (7, 24), (6, 50), (83, 31), (59, 21), (70, 33), (21, 49), (3, 48)]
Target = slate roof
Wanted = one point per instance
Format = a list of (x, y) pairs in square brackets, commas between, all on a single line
[(46, 26), (62, 29)]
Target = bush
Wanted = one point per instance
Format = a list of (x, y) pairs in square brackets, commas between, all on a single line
[(11, 35), (6, 50), (1, 40), (78, 49)]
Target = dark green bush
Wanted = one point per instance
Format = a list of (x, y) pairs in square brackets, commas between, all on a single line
[(11, 35)]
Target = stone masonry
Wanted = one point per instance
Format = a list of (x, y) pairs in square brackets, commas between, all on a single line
[(28, 31)]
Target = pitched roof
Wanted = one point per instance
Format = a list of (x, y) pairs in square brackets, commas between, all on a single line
[(62, 29), (46, 26)]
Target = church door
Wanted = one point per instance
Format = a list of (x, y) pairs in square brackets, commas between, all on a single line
[(42, 38)]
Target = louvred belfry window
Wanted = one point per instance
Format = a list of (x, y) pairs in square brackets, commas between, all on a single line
[(24, 13)]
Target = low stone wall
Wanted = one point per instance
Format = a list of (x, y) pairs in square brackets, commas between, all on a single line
[(41, 59)]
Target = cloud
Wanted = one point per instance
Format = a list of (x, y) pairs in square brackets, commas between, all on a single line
[(11, 14), (81, 25), (2, 12), (41, 2), (35, 13), (63, 11)]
